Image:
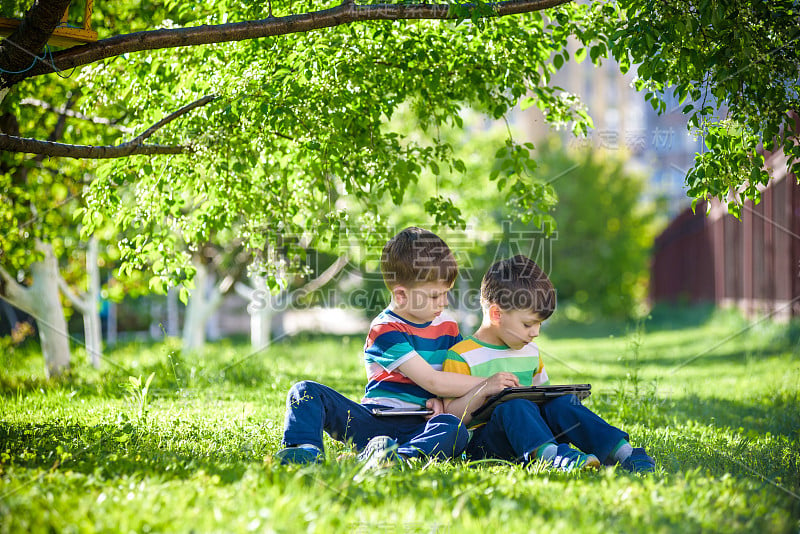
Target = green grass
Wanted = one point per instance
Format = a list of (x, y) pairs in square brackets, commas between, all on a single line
[(715, 400)]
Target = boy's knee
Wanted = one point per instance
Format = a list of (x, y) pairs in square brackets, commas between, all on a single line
[(455, 430), (445, 419), (513, 406), (302, 390), (453, 424), (564, 402)]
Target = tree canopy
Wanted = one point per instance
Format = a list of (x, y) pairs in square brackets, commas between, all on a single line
[(273, 119), (284, 125), (292, 137)]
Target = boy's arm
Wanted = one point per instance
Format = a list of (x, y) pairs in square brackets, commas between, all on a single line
[(439, 383), (462, 407), (442, 383)]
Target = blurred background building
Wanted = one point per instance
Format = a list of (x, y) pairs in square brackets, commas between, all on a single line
[(658, 146)]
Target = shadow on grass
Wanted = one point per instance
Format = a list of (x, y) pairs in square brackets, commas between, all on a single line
[(175, 371), (757, 437), (777, 414), (672, 316), (563, 328), (773, 413), (700, 359), (664, 317), (111, 451)]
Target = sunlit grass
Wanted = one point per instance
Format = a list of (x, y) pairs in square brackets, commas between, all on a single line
[(714, 399)]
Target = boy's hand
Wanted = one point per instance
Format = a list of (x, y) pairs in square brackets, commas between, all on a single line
[(498, 382), (463, 406), (436, 404)]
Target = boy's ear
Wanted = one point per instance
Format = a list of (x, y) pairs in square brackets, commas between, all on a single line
[(400, 295), (494, 313)]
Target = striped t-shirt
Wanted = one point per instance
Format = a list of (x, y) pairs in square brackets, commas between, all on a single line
[(393, 341), (476, 358)]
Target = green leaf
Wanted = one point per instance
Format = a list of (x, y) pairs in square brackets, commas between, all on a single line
[(527, 102)]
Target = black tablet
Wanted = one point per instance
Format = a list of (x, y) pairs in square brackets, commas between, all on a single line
[(537, 394), (388, 412)]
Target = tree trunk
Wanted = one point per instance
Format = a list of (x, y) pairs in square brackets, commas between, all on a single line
[(264, 307), (204, 301), (41, 301), (111, 324), (11, 315), (87, 305), (156, 329), (49, 315), (465, 316), (19, 50), (173, 326), (213, 325), (93, 338), (260, 306), (261, 309), (194, 335), (91, 316)]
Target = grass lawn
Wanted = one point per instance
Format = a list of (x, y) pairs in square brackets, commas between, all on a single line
[(714, 399)]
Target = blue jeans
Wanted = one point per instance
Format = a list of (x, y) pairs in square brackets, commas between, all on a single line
[(518, 427), (312, 408)]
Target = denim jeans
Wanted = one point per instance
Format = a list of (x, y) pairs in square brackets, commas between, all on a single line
[(518, 427), (312, 408)]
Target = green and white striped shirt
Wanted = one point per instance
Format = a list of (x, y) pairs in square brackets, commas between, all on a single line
[(476, 358)]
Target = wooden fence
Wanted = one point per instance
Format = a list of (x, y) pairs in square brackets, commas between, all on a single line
[(752, 263)]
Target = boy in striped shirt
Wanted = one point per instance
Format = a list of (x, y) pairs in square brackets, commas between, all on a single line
[(516, 297), (405, 348)]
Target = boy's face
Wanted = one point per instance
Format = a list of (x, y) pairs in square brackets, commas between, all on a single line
[(515, 328), (421, 303)]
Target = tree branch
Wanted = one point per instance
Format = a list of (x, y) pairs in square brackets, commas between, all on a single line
[(13, 292), (326, 276), (278, 134), (169, 118), (345, 13), (133, 147), (243, 290), (35, 146), (80, 303)]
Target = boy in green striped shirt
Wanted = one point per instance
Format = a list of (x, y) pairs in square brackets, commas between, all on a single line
[(516, 297)]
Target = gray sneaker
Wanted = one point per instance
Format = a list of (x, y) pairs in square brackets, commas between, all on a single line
[(381, 451)]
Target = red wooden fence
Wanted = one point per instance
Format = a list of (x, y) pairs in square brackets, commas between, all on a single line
[(752, 263)]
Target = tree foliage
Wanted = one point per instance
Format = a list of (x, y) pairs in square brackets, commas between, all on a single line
[(298, 140), (736, 64)]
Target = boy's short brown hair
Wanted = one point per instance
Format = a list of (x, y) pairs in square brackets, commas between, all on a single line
[(416, 256), (519, 284)]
